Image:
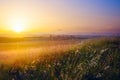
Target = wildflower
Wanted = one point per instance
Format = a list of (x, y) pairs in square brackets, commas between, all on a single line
[(33, 62), (33, 67), (49, 65), (26, 67), (106, 67), (104, 50), (58, 64), (76, 52), (98, 75)]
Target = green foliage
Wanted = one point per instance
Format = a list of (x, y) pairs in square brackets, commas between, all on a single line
[(91, 60)]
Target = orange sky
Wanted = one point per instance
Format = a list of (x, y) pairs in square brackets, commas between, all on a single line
[(62, 16)]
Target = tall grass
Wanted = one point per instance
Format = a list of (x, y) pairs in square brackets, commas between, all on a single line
[(96, 59)]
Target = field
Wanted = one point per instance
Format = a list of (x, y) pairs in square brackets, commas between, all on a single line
[(28, 50), (67, 59)]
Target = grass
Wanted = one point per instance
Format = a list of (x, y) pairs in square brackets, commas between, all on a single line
[(94, 59)]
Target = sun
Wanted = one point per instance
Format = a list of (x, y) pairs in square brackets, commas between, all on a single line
[(18, 23), (18, 29)]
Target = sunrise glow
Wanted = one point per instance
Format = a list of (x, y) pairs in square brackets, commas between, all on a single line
[(18, 28), (65, 17)]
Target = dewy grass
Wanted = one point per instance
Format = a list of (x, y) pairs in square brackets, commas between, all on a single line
[(96, 59)]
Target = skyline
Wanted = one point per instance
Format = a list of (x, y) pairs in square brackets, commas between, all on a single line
[(60, 16)]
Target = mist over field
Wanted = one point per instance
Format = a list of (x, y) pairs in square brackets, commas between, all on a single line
[(60, 58), (59, 39), (13, 49)]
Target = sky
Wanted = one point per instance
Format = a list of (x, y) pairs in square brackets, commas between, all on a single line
[(60, 16)]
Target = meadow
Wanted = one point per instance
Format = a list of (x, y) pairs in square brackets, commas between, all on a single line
[(72, 59)]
